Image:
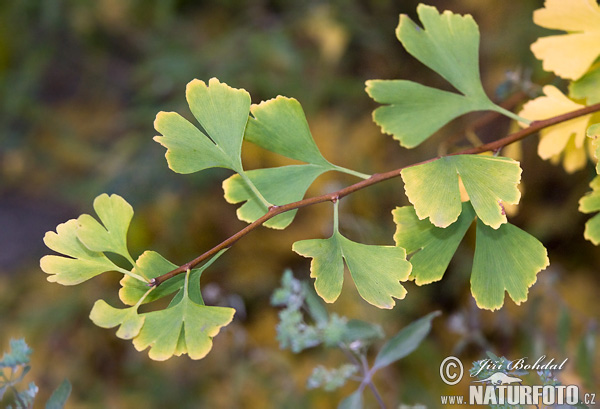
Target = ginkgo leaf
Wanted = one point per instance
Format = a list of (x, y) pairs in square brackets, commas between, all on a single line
[(151, 265), (449, 45), (279, 186), (433, 247), (186, 327), (376, 270), (414, 111), (115, 214), (590, 203), (568, 55), (586, 87), (279, 125), (433, 187), (81, 263), (554, 139), (129, 321), (222, 112), (593, 132), (506, 259)]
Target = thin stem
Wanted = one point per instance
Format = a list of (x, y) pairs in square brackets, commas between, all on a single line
[(374, 179), (17, 397), (336, 223), (351, 172), (252, 187), (132, 275), (368, 380), (512, 115), (185, 283), (141, 300), (130, 259)]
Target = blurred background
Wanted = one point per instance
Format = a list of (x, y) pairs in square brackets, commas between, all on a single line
[(80, 85)]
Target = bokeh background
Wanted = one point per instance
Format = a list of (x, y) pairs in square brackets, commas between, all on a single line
[(80, 85)]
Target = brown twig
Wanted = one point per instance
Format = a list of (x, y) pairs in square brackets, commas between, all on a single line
[(376, 178)]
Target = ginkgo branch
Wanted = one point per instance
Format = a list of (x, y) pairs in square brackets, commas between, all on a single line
[(273, 211)]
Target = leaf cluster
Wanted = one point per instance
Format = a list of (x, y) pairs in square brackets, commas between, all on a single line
[(14, 365), (185, 326)]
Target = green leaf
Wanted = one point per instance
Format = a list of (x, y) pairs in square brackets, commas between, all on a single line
[(82, 263), (149, 265), (106, 316), (354, 401), (587, 87), (376, 270), (59, 396), (594, 133), (433, 187), (449, 45), (506, 258), (279, 125), (279, 186), (115, 214), (222, 112), (405, 342), (357, 330), (433, 247), (414, 112), (19, 354), (315, 305), (590, 203), (186, 327)]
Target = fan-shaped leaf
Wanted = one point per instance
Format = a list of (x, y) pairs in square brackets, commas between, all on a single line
[(151, 265), (590, 203), (222, 112), (279, 186), (568, 55), (506, 259), (414, 112), (186, 327), (434, 246), (105, 316), (566, 138), (449, 45), (593, 132), (433, 187), (376, 270), (81, 263), (586, 87), (279, 125), (115, 214)]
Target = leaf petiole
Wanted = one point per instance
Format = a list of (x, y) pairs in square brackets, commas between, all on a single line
[(252, 187), (512, 115), (336, 223), (351, 172), (132, 275)]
